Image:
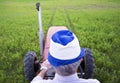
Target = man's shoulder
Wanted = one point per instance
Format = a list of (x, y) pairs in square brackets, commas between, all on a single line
[(89, 81), (38, 79)]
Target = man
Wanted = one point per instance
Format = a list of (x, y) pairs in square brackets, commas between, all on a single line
[(65, 56)]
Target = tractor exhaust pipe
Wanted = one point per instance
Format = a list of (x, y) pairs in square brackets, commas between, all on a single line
[(40, 33)]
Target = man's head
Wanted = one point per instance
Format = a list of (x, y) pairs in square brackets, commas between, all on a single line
[(64, 49)]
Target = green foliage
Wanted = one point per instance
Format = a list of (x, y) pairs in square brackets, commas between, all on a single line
[(95, 22)]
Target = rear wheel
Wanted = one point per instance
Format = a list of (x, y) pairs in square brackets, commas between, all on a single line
[(87, 64), (31, 65)]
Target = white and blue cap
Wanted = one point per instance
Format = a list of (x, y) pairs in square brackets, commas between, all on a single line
[(64, 48)]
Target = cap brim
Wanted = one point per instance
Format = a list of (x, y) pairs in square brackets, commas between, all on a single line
[(57, 62)]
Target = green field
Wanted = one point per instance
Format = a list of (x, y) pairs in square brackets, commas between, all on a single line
[(95, 22)]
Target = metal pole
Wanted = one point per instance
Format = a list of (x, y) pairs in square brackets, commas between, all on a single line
[(41, 33)]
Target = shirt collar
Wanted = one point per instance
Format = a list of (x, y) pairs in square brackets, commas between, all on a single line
[(72, 77)]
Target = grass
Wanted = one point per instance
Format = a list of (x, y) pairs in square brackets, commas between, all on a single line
[(95, 22)]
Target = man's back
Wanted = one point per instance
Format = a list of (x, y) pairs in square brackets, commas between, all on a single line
[(65, 79)]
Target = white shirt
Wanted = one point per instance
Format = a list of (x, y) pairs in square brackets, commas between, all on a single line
[(64, 79)]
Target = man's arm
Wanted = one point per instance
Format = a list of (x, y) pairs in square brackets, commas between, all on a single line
[(44, 67)]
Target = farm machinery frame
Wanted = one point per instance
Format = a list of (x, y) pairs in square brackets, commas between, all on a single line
[(32, 65)]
